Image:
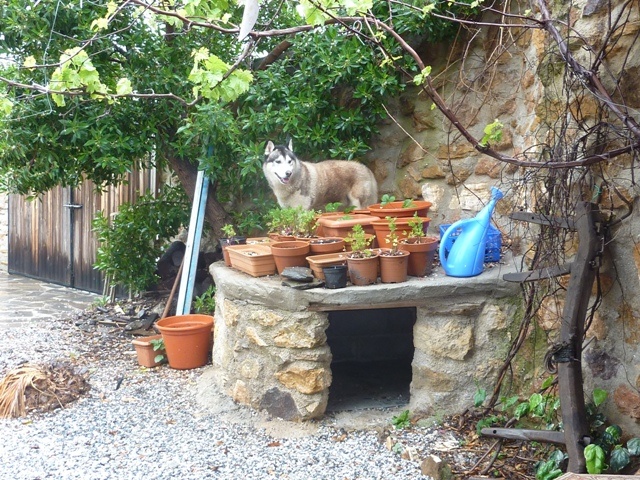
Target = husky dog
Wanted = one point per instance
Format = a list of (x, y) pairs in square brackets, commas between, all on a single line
[(313, 185)]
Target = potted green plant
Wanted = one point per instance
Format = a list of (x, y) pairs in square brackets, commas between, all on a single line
[(421, 248), (150, 350), (362, 261), (231, 238), (393, 262), (289, 223)]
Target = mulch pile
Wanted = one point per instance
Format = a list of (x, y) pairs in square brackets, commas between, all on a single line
[(40, 388)]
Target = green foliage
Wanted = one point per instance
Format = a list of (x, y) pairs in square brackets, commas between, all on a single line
[(550, 469), (229, 230), (595, 459), (158, 344), (294, 221), (124, 85), (131, 243), (359, 241), (206, 303), (387, 199), (408, 202), (332, 207), (479, 397), (492, 133), (403, 420), (393, 238), (606, 445)]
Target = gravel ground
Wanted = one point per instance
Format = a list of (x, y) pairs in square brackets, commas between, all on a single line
[(148, 423)]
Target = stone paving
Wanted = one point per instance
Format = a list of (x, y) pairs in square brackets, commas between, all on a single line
[(23, 299)]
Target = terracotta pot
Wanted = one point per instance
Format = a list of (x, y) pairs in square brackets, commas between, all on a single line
[(335, 276), (335, 226), (363, 271), (187, 339), (145, 352), (421, 254), (393, 268), (276, 237), (403, 229), (318, 262), (255, 259), (395, 209), (225, 242), (290, 254), (322, 245)]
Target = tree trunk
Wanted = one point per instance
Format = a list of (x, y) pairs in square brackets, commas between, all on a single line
[(215, 214)]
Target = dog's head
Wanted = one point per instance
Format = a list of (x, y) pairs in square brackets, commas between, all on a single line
[(280, 161)]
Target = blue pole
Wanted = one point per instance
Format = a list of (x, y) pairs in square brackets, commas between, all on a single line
[(187, 281)]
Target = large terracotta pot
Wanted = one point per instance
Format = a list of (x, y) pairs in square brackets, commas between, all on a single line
[(393, 268), (421, 254), (187, 339), (403, 229), (335, 226), (395, 209), (363, 271), (290, 254)]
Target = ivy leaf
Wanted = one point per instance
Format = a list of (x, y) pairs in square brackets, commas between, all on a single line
[(479, 397), (599, 396), (595, 459), (619, 458), (633, 446), (521, 410)]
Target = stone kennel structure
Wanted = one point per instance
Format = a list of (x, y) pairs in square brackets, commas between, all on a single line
[(274, 346)]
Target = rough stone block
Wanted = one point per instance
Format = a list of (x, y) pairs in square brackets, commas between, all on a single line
[(305, 380)]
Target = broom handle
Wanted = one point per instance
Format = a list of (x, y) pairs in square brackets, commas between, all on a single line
[(173, 291)]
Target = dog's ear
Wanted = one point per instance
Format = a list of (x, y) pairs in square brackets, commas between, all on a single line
[(290, 145), (269, 148)]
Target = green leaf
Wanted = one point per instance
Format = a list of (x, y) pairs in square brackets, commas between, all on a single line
[(548, 470), (633, 446), (421, 77), (595, 459), (619, 458), (599, 396), (522, 410), (547, 383), (615, 431), (6, 105), (479, 397), (123, 87)]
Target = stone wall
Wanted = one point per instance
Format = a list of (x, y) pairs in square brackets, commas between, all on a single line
[(420, 155), (270, 346)]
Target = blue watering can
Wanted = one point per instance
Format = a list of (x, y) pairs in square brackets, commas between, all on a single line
[(466, 256)]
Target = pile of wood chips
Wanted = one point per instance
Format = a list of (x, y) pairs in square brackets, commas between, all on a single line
[(39, 388)]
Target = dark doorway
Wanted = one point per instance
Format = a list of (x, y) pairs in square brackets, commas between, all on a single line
[(372, 354)]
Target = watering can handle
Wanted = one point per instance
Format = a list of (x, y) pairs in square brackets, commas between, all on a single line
[(445, 236)]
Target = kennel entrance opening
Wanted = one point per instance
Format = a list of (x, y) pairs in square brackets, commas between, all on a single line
[(372, 354)]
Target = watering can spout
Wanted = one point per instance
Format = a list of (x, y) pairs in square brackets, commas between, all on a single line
[(466, 256)]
